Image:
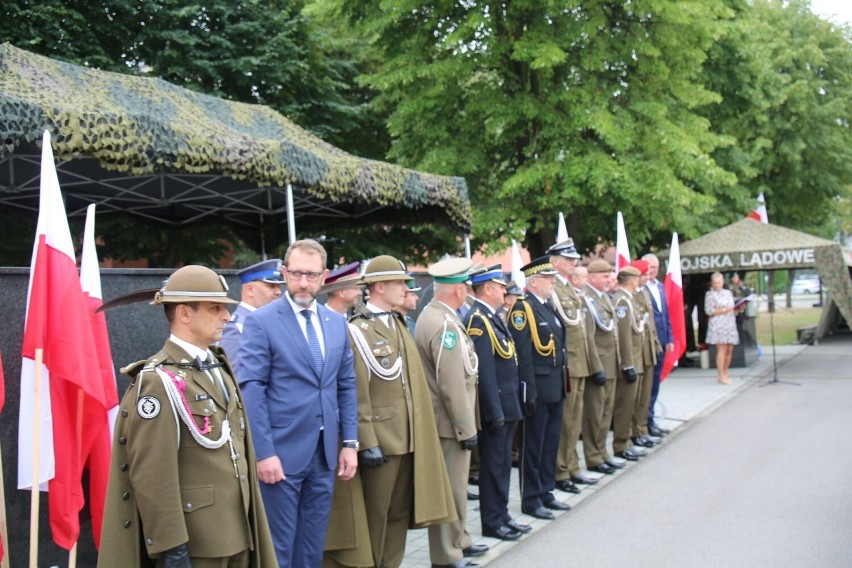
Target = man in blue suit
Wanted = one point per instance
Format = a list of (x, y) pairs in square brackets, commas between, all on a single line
[(298, 383), (664, 332)]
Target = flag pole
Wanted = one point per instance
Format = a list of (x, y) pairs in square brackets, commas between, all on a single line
[(3, 532), (72, 554), (35, 490)]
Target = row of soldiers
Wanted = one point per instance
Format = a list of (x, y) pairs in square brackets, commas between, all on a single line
[(473, 372), (492, 370)]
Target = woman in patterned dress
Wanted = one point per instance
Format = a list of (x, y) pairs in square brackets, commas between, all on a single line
[(722, 324)]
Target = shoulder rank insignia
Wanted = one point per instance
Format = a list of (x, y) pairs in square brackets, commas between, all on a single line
[(519, 319), (449, 339), (474, 332), (621, 312), (148, 407)]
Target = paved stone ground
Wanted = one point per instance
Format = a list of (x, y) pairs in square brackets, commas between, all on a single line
[(685, 396)]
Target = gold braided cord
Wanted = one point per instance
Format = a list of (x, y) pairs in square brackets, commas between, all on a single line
[(543, 350), (496, 347)]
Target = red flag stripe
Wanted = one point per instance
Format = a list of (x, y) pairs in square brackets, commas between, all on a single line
[(673, 286)]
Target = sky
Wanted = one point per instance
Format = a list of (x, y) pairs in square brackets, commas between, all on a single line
[(836, 10)]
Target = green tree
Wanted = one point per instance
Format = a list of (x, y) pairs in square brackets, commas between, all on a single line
[(785, 76), (546, 106)]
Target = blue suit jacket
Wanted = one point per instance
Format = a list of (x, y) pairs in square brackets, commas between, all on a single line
[(661, 315), (287, 402)]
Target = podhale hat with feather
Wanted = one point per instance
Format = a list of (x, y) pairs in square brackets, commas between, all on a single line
[(191, 283)]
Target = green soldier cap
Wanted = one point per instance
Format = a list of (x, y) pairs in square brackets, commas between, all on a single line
[(384, 268), (599, 265), (412, 285), (631, 270), (194, 284), (451, 270)]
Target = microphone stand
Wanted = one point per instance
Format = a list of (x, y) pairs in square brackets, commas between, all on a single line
[(771, 303)]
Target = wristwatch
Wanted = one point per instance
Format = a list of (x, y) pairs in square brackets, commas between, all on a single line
[(351, 444)]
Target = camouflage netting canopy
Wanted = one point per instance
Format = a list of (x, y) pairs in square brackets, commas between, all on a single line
[(748, 244), (142, 145)]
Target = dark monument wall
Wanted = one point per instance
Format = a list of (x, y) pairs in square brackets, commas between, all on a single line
[(136, 331)]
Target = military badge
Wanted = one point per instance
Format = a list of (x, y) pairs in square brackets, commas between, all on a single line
[(449, 339), (363, 325), (519, 319), (148, 407), (621, 312)]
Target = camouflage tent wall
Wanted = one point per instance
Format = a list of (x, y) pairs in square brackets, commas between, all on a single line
[(139, 125)]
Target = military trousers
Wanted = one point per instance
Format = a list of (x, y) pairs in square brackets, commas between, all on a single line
[(643, 400), (597, 414), (495, 459), (622, 418), (389, 499), (567, 462), (448, 540), (539, 446)]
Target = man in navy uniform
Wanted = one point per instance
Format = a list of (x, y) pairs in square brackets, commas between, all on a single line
[(499, 403), (261, 283), (540, 342)]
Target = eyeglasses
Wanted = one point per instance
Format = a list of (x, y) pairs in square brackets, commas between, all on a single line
[(310, 276)]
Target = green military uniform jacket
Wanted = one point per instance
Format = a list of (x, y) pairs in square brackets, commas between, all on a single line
[(606, 331), (397, 415), (583, 358), (450, 363), (631, 331), (165, 488)]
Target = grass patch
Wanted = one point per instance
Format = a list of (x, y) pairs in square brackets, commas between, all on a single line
[(786, 324)]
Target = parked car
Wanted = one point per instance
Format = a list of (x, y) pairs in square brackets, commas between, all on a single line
[(805, 284)]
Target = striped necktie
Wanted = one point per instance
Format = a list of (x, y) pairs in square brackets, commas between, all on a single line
[(313, 342)]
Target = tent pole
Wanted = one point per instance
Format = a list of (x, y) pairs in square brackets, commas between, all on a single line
[(467, 246), (262, 239), (291, 215)]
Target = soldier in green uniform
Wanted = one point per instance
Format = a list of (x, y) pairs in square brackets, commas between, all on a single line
[(631, 333), (583, 362), (650, 348), (183, 489), (402, 467), (599, 395), (450, 362)]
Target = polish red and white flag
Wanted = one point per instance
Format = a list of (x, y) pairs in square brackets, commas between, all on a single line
[(759, 212), (97, 462), (70, 407), (673, 287), (622, 251)]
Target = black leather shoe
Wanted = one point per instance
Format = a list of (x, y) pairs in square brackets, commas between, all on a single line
[(473, 479), (627, 455), (657, 431), (583, 480), (463, 563), (539, 513), (614, 465), (475, 550), (603, 468), (640, 441), (567, 486), (557, 505), (503, 533), (520, 527), (472, 496)]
